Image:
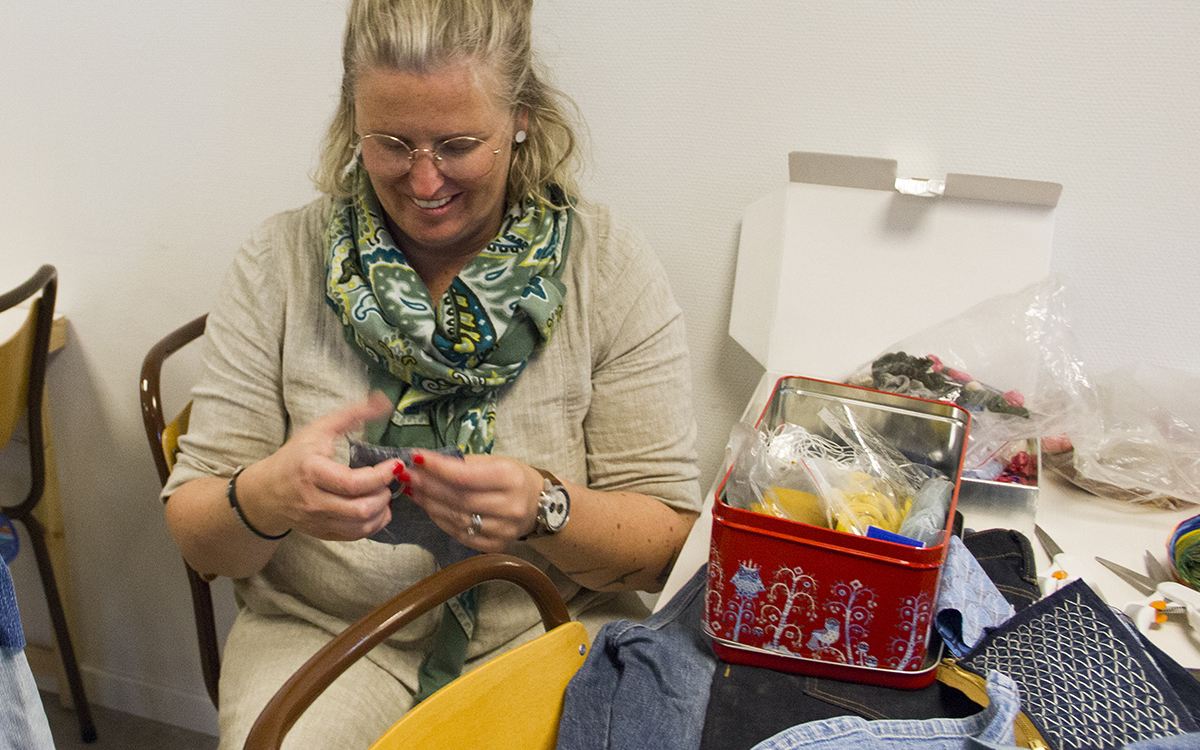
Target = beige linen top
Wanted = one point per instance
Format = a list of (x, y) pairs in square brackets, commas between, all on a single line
[(605, 404)]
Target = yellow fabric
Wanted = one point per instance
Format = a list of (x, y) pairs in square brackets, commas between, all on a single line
[(793, 505), (513, 702), (15, 356), (171, 433)]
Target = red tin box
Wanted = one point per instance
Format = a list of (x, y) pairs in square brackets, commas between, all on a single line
[(801, 598)]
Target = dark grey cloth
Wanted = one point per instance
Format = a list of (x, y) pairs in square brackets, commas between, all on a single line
[(747, 704), (410, 524)]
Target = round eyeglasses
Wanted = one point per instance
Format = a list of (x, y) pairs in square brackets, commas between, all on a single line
[(460, 158)]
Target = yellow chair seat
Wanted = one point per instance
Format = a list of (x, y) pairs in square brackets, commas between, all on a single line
[(513, 701)]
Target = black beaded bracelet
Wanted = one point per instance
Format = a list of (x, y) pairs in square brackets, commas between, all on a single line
[(231, 493)]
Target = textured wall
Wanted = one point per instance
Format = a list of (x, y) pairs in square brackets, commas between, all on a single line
[(140, 142)]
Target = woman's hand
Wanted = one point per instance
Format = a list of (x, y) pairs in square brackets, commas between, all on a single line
[(503, 492), (301, 487), (298, 487), (614, 541)]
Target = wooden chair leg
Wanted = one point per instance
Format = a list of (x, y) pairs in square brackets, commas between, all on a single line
[(206, 632), (58, 617)]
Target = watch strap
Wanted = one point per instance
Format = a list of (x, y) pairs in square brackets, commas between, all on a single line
[(547, 475)]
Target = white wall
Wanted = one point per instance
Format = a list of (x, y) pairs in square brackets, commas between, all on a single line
[(141, 141)]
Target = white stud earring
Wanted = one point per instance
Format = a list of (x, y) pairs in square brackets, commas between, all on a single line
[(354, 160), (520, 136)]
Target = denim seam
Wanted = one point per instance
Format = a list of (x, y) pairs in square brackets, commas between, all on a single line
[(899, 728), (992, 724), (814, 690), (1021, 593)]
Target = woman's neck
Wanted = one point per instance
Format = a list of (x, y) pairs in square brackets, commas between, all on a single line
[(435, 267)]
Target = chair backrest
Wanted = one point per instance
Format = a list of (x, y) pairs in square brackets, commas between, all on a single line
[(513, 701), (151, 393), (23, 375), (164, 440)]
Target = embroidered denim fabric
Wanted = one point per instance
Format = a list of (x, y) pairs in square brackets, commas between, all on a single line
[(968, 601), (23, 724), (644, 685), (1175, 742), (994, 725), (1079, 667)]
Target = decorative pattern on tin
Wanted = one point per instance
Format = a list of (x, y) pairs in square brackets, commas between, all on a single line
[(794, 613)]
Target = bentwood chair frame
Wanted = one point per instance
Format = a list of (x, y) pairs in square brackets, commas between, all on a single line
[(164, 438), (29, 384), (513, 701)]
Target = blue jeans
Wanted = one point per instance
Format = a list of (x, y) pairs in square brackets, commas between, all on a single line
[(644, 685), (23, 724), (993, 725)]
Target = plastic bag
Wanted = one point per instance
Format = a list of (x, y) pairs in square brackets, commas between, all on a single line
[(1132, 434), (850, 485), (875, 487), (765, 476), (1142, 441), (1009, 361)]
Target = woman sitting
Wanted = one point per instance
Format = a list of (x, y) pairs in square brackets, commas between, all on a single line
[(451, 293)]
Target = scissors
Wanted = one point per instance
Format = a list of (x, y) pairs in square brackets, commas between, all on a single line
[(1163, 595), (1063, 567)]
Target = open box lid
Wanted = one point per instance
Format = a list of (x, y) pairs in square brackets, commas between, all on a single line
[(846, 260)]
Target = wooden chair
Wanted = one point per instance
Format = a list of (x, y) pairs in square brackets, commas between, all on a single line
[(22, 388), (164, 441), (514, 701)]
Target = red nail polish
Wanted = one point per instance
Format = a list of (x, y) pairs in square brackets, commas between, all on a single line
[(418, 458), (398, 469), (407, 491)]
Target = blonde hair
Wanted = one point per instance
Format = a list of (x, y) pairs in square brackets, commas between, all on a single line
[(420, 36)]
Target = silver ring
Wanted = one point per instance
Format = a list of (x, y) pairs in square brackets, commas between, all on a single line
[(476, 525)]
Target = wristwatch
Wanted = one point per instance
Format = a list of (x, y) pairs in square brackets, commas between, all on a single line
[(554, 507)]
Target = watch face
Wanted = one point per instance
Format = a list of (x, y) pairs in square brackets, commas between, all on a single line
[(556, 507)]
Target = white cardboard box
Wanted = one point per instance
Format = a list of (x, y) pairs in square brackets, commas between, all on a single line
[(839, 264)]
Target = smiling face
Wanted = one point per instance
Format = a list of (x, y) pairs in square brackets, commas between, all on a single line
[(436, 220)]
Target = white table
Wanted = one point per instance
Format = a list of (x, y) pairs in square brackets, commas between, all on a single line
[(1083, 524)]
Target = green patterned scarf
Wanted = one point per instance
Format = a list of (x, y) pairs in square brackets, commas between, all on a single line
[(445, 364)]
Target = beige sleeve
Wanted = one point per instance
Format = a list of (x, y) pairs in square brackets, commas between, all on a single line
[(275, 357)]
